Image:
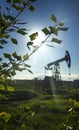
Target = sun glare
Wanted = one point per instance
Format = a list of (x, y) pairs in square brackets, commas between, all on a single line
[(40, 38)]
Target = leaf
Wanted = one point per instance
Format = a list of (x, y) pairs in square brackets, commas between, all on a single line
[(16, 56), (56, 40), (33, 36), (26, 65), (17, 7), (10, 17), (5, 35), (29, 71), (3, 41), (5, 116), (63, 28), (21, 69), (1, 47), (29, 44), (60, 23), (0, 59), (5, 65), (14, 41), (21, 31), (25, 57), (6, 55), (9, 1), (46, 31), (53, 30), (31, 8), (10, 88), (53, 18)]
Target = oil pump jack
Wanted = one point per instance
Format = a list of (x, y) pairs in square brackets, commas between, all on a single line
[(57, 75)]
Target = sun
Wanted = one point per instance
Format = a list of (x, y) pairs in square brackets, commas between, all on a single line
[(39, 39)]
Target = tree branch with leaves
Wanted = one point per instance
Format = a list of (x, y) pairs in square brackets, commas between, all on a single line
[(10, 24)]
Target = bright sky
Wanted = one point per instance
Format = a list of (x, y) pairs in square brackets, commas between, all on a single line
[(64, 10)]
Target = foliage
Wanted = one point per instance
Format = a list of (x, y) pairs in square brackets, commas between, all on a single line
[(40, 112), (10, 24)]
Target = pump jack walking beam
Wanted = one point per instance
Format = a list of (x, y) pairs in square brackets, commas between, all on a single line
[(67, 58)]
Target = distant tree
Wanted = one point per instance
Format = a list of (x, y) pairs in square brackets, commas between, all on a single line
[(10, 24)]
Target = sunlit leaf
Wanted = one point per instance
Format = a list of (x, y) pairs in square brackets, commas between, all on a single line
[(56, 40), (2, 88), (14, 41), (60, 23), (7, 55), (10, 88), (53, 30), (46, 31), (63, 28), (5, 116), (53, 18), (33, 36), (25, 57)]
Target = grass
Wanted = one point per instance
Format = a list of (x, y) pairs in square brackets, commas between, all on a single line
[(34, 110)]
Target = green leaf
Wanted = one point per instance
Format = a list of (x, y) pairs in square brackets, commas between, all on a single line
[(53, 30), (21, 31), (10, 88), (17, 7), (16, 56), (29, 44), (63, 28), (56, 40), (60, 23), (31, 8), (6, 55), (21, 69), (26, 57), (3, 41), (5, 35), (10, 17), (33, 36), (5, 65), (5, 116), (53, 18), (14, 41), (46, 31)]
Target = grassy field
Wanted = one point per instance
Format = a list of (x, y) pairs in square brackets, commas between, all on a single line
[(28, 108)]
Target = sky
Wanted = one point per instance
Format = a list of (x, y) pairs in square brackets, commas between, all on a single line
[(65, 11)]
